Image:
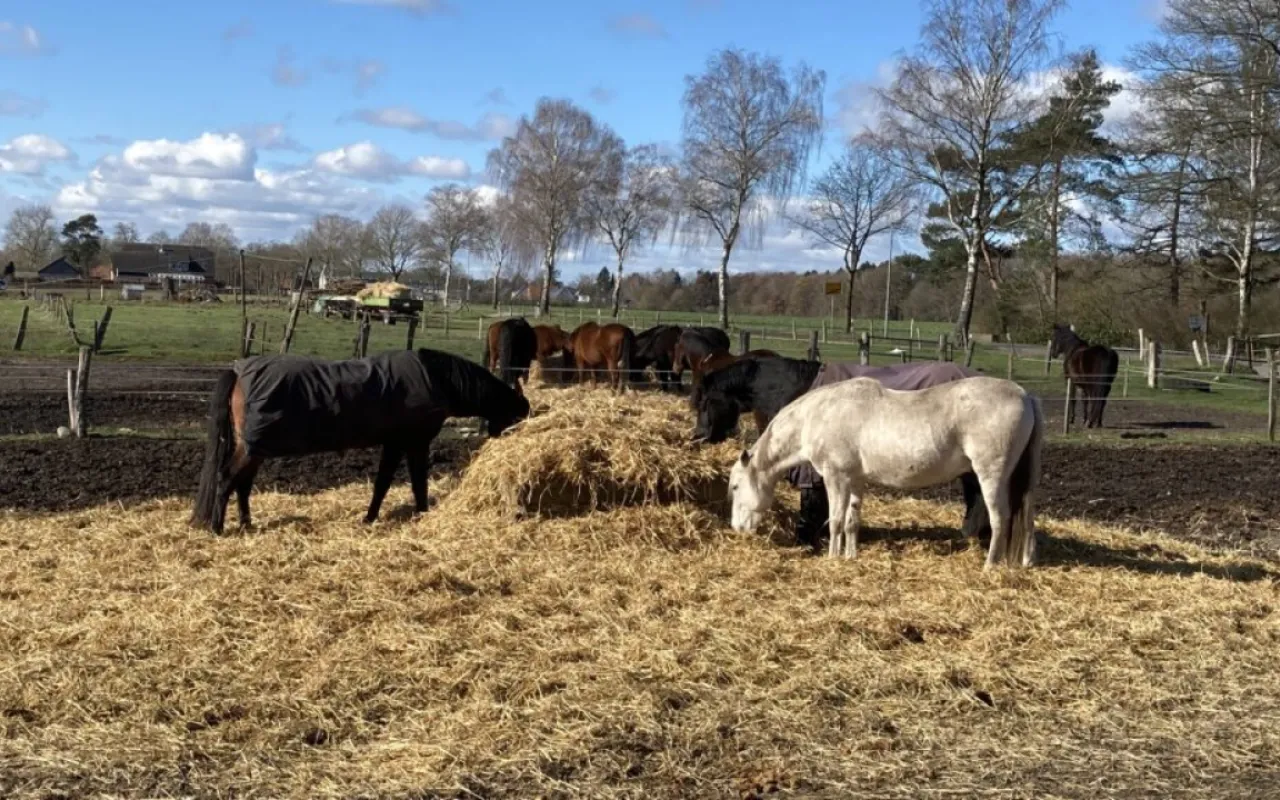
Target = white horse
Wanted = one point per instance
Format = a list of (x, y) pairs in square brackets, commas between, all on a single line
[(857, 431)]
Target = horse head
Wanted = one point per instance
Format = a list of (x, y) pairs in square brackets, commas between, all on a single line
[(749, 495), (516, 410)]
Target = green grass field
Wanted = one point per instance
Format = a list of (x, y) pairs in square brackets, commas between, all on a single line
[(209, 333)]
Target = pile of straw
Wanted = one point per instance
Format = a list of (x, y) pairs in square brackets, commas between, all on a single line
[(585, 449), (384, 289), (637, 653)]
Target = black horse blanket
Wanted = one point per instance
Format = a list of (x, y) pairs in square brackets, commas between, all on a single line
[(903, 377), (296, 404)]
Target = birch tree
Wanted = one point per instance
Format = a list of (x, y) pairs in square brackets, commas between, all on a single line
[(634, 205), (504, 244), (861, 195), (748, 132), (548, 166), (455, 222), (948, 114)]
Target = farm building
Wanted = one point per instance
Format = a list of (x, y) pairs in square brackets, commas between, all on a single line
[(152, 264), (60, 269)]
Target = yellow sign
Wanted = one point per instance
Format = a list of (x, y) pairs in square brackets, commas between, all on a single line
[(833, 287)]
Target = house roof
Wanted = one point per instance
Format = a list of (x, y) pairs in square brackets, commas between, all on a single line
[(59, 266), (147, 259)]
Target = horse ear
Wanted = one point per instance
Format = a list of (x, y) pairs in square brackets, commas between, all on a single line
[(746, 457)]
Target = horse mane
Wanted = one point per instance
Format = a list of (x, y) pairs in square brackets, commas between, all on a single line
[(758, 384), (469, 387)]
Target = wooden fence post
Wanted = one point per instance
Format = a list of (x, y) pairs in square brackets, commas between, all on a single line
[(1142, 342), (362, 341), (793, 330), (968, 352), (1124, 386), (942, 347), (1271, 394), (813, 345), (71, 399), (413, 328), (824, 331), (82, 386), (479, 328), (1066, 411), (246, 347), (1048, 359), (864, 349), (22, 328), (1153, 365), (744, 341), (100, 329), (1009, 365), (287, 339)]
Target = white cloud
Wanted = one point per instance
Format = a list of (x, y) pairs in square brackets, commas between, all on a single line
[(856, 104), (1125, 104), (489, 127), (21, 40), (642, 25), (366, 161), (413, 6), (218, 156), (31, 153), (13, 104), (270, 136)]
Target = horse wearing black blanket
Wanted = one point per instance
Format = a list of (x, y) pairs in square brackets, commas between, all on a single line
[(287, 405), (764, 386)]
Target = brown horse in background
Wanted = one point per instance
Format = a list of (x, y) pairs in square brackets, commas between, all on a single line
[(551, 341), (1090, 367), (695, 344), (596, 348), (509, 349)]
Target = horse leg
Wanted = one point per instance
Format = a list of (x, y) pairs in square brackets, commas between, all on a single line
[(995, 492), (228, 484), (391, 455), (975, 511), (419, 464), (243, 481), (813, 515), (1071, 403), (838, 501), (852, 523)]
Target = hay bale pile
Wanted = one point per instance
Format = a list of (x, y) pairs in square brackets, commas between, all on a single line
[(584, 450), (390, 289)]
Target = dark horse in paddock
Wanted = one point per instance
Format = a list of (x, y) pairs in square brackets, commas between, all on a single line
[(593, 349), (763, 386), (1091, 368), (696, 343), (656, 347), (723, 358), (509, 348), (288, 405)]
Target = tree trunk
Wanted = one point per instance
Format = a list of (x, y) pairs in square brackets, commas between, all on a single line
[(497, 274), (448, 278), (617, 289), (966, 299), (1175, 222), (724, 285), (1055, 201), (548, 267), (1245, 300), (848, 303)]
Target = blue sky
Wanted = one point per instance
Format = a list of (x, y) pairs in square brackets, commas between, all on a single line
[(262, 114)]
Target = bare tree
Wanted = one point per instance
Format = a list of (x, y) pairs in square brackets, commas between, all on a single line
[(214, 237), (1219, 63), (747, 135), (954, 104), (337, 243), (124, 233), (160, 237), (394, 237), (862, 195), (455, 222), (635, 205), (504, 243), (30, 236), (547, 166)]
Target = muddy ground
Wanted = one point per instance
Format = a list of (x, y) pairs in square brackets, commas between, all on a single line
[(1221, 496)]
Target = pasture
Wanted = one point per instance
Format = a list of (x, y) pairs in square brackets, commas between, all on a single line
[(575, 618)]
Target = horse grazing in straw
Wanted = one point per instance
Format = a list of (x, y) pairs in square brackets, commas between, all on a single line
[(857, 431), (288, 405), (723, 358), (696, 343), (764, 386), (593, 348), (1092, 369), (655, 347), (509, 348)]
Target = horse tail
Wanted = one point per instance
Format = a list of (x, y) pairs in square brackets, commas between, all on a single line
[(1022, 487), (506, 351), (218, 451), (626, 356)]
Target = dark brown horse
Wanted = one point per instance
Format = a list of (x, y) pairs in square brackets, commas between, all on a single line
[(552, 340), (1092, 369), (656, 347), (288, 405), (723, 358), (695, 344), (509, 349), (595, 348)]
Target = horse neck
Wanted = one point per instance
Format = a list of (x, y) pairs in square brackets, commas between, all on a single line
[(777, 450), (1069, 342), (799, 376)]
